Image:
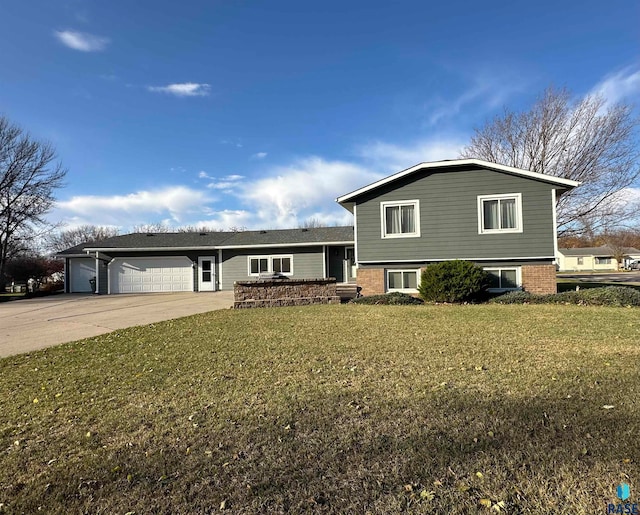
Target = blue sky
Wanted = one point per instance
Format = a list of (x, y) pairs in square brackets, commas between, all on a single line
[(258, 114)]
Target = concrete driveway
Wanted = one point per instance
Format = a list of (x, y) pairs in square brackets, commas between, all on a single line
[(32, 324)]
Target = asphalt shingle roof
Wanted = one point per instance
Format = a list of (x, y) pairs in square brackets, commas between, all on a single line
[(195, 240)]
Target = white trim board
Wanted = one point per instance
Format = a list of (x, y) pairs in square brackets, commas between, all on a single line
[(429, 260), (218, 247), (460, 162)]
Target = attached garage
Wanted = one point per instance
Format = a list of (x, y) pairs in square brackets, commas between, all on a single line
[(81, 271), (151, 275)]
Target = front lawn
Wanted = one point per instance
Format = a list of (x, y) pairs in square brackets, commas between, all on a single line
[(330, 409)]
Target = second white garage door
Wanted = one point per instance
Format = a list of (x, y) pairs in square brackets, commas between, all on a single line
[(148, 275)]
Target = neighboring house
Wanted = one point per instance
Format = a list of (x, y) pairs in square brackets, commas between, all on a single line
[(500, 217), (591, 259), (207, 261)]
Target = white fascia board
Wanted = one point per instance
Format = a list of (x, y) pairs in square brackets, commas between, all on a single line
[(61, 256), (146, 249), (287, 245), (460, 259), (460, 162), (217, 247)]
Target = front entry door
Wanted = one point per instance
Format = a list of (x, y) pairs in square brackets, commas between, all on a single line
[(349, 264), (206, 275)]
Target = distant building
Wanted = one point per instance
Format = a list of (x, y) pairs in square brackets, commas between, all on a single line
[(592, 259)]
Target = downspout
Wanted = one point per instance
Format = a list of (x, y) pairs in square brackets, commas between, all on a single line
[(556, 261)]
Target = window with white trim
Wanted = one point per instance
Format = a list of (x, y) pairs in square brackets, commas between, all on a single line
[(603, 260), (400, 219), (270, 265), (581, 261), (500, 213), (502, 279), (402, 280)]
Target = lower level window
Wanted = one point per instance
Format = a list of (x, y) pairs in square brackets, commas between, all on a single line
[(402, 280), (603, 261), (270, 265), (504, 278)]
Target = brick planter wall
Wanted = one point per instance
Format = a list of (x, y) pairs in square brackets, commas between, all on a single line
[(539, 278), (371, 280), (284, 292)]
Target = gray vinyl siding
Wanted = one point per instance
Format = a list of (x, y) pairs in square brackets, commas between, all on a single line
[(449, 218), (307, 263)]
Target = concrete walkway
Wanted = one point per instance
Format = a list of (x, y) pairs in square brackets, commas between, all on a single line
[(32, 324)]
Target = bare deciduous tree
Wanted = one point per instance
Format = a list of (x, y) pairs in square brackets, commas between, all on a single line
[(198, 228), (152, 228), (29, 177), (583, 140), (162, 228), (59, 241), (312, 223)]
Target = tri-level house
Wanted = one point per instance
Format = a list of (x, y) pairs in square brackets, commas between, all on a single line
[(502, 218)]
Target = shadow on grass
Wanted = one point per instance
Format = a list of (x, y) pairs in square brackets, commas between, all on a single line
[(440, 451)]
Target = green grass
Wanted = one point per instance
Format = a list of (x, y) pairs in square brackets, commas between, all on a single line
[(330, 409)]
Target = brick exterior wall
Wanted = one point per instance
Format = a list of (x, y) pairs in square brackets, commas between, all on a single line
[(284, 292), (539, 278), (371, 280)]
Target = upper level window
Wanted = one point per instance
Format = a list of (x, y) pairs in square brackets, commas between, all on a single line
[(500, 213), (400, 219)]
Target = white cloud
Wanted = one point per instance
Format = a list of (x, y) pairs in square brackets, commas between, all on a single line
[(619, 86), (223, 183), (230, 219), (487, 91), (173, 202), (390, 158), (290, 194), (184, 89), (81, 41), (259, 155)]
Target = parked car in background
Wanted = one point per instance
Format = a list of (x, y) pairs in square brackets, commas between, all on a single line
[(634, 264)]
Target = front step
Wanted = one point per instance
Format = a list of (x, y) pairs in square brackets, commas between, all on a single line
[(347, 291)]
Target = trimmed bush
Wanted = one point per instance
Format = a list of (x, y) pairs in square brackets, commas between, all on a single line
[(609, 296), (516, 297), (606, 296), (395, 298), (453, 281)]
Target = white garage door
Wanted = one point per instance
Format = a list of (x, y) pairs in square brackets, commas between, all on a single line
[(146, 275), (81, 270)]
